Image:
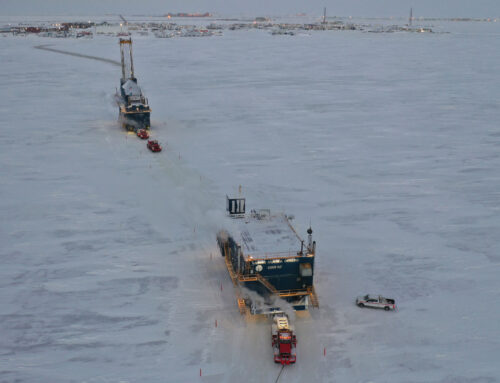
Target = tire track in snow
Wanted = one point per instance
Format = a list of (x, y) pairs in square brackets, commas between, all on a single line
[(278, 378), (45, 47), (191, 189), (195, 190)]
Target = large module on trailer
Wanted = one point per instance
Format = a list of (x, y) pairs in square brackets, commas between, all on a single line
[(265, 255), (134, 110)]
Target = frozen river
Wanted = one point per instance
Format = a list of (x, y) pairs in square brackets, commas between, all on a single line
[(387, 144)]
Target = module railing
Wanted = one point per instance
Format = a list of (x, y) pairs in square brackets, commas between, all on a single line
[(280, 254)]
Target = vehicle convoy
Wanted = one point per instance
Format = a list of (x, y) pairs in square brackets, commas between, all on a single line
[(134, 110), (154, 146), (270, 266), (284, 340), (142, 134), (376, 301)]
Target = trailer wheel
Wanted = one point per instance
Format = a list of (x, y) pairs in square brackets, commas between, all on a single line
[(361, 305), (386, 308)]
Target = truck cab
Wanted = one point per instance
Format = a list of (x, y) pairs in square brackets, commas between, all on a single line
[(284, 341)]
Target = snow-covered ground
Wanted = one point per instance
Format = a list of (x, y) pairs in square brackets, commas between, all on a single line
[(388, 144)]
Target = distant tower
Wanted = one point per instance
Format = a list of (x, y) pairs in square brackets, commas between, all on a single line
[(324, 15), (124, 20), (411, 17)]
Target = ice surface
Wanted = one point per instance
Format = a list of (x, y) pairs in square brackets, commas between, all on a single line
[(388, 144)]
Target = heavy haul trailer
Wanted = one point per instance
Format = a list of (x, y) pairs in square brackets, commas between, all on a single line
[(134, 111), (264, 254)]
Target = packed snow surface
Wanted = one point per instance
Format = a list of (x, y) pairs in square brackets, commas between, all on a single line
[(387, 144)]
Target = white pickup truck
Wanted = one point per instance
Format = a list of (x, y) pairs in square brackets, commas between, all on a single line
[(376, 301)]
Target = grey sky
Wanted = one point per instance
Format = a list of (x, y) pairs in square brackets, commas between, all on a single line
[(431, 8)]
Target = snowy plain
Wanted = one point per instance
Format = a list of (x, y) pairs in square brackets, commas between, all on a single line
[(387, 144)]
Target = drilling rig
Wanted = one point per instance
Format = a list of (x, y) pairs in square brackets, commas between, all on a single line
[(271, 268), (134, 110)]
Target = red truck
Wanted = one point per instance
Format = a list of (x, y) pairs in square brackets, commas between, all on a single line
[(154, 146), (142, 134), (284, 340)]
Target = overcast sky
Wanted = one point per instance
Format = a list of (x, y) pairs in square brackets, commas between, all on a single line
[(431, 8)]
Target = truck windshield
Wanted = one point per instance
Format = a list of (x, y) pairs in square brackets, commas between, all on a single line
[(285, 336)]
